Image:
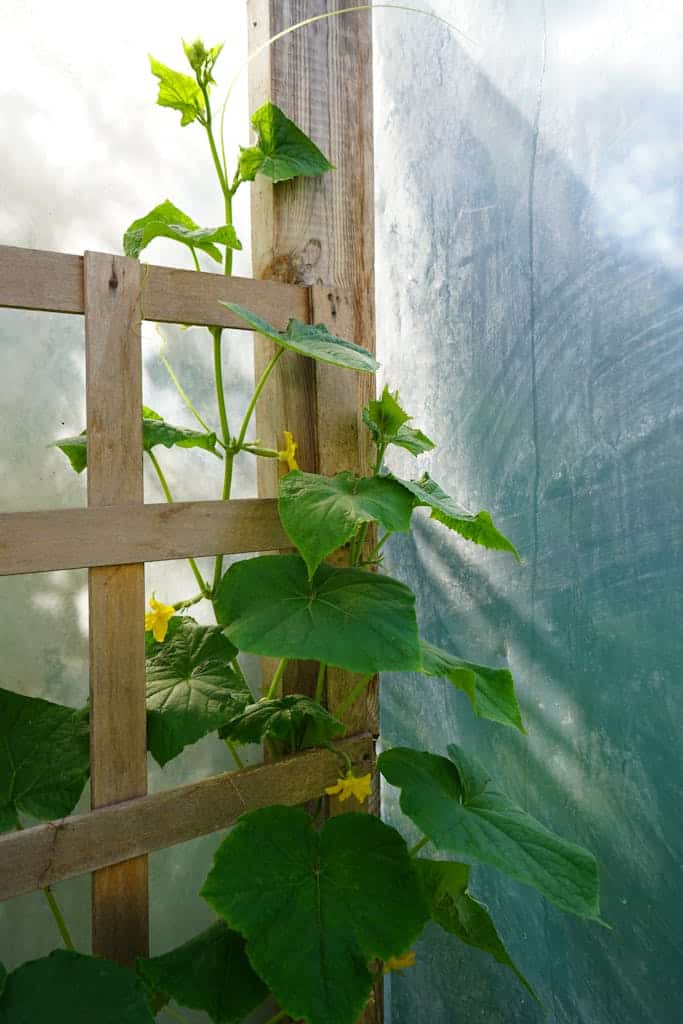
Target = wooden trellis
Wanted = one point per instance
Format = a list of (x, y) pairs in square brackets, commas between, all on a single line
[(113, 537)]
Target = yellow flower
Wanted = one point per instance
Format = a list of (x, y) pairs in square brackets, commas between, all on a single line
[(289, 453), (399, 963), (157, 619), (359, 787)]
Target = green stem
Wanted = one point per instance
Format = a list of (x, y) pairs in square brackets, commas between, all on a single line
[(320, 684), (353, 696), (237, 669), (264, 453), (59, 919), (176, 1016), (360, 541), (414, 850), (275, 681), (179, 605), (255, 397), (278, 1017), (233, 750), (196, 261), (201, 582), (378, 547), (183, 394), (217, 333), (381, 449)]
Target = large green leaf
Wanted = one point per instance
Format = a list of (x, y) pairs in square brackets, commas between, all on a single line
[(167, 221), (178, 91), (345, 617), (319, 908), (44, 758), (491, 690), (478, 528), (455, 804), (312, 340), (283, 151), (69, 988), (294, 720), (458, 912), (155, 431), (191, 688), (387, 423), (211, 972), (322, 513)]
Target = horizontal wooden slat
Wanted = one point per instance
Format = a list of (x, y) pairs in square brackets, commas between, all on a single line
[(76, 538), (45, 854), (53, 281)]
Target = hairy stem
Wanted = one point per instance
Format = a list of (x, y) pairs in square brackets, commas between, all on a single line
[(372, 555), (320, 683), (277, 676), (201, 582)]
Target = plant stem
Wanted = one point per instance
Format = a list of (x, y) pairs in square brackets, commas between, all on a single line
[(275, 681), (278, 1017), (233, 750), (414, 850), (378, 547), (216, 333), (381, 449), (353, 696), (176, 1016), (320, 684), (255, 397), (180, 605), (196, 261), (183, 394), (237, 669), (59, 919), (201, 582)]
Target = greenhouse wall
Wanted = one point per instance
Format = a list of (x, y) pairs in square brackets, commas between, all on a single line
[(530, 307)]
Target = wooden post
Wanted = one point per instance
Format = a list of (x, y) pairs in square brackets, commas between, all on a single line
[(118, 743), (319, 232)]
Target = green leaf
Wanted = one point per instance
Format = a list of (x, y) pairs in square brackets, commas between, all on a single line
[(167, 221), (153, 646), (387, 423), (321, 513), (294, 720), (319, 908), (69, 988), (283, 151), (312, 340), (155, 431), (491, 690), (455, 804), (178, 91), (44, 758), (191, 689), (478, 528), (459, 913), (211, 972), (345, 617)]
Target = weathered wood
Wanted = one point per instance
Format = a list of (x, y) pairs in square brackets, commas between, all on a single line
[(118, 718), (53, 281), (320, 232), (50, 853), (78, 538)]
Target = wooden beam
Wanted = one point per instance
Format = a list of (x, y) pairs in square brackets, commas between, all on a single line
[(47, 854), (53, 281), (118, 714), (76, 538)]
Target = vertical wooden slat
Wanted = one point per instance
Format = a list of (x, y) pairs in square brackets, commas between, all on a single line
[(320, 233), (112, 291)]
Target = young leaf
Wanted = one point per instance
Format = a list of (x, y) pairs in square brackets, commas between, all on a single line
[(350, 893), (455, 804), (69, 988), (155, 431), (478, 528), (312, 340), (348, 618), (458, 912), (178, 91), (211, 972), (167, 221), (294, 719), (386, 421), (191, 689), (283, 151), (201, 60), (44, 758), (491, 690), (322, 513)]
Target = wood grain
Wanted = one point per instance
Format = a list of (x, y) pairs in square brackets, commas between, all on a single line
[(118, 717), (77, 538), (53, 281), (47, 854)]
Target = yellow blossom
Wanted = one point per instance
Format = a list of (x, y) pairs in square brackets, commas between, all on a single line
[(157, 619), (289, 453), (359, 787), (399, 963)]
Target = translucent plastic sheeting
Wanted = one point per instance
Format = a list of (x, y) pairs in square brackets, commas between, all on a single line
[(530, 307)]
